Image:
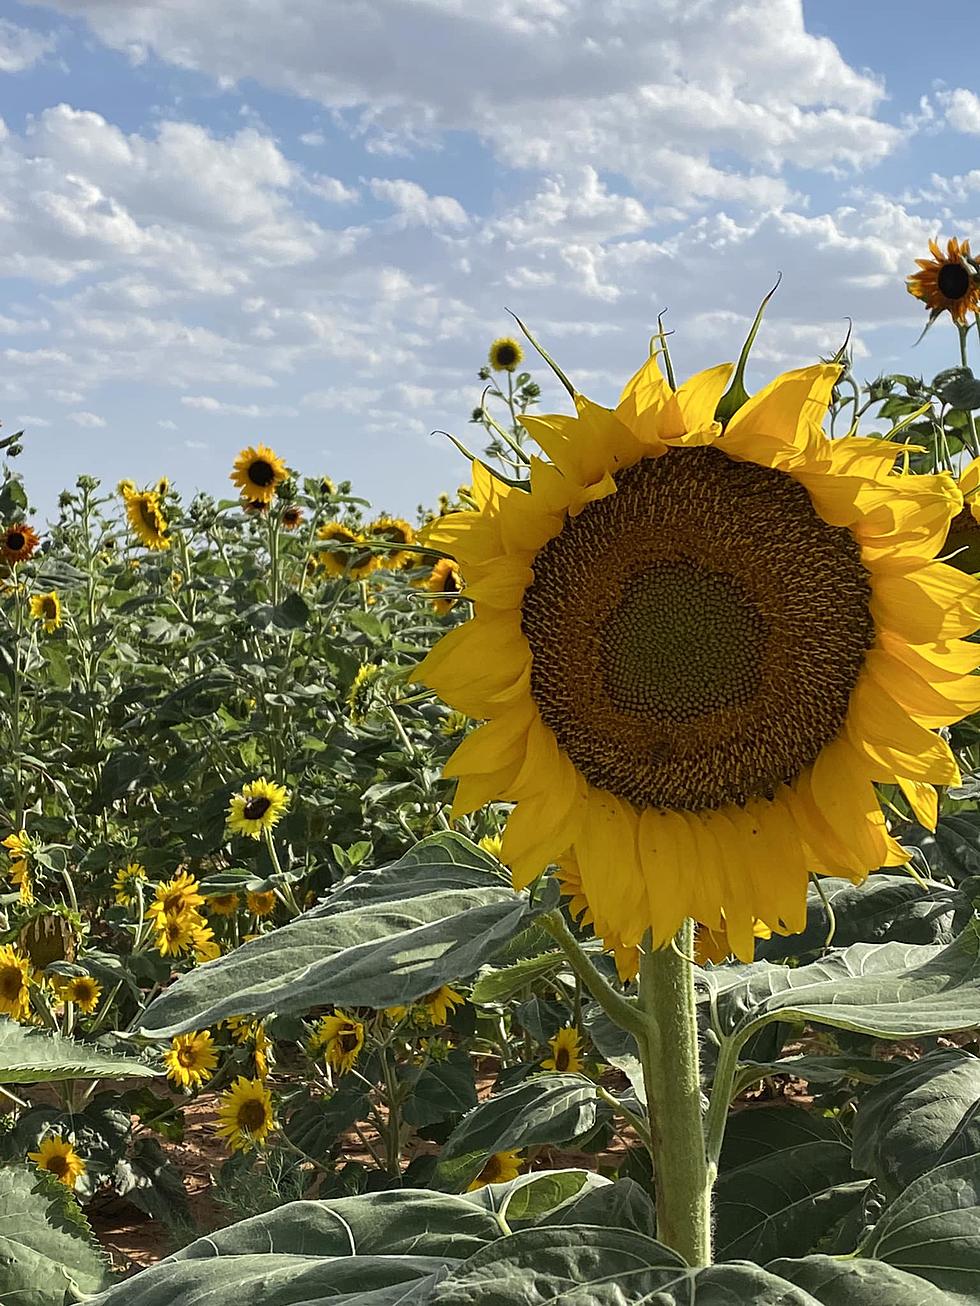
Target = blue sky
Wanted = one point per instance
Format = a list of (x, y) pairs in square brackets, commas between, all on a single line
[(302, 221)]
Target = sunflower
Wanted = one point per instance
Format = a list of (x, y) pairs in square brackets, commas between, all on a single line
[(19, 542), (175, 898), (47, 608), (697, 649), (191, 1059), (261, 902), (257, 471), (566, 1051), (14, 981), (499, 1169), (255, 507), (20, 875), (260, 1053), (505, 354), (327, 487), (83, 991), (126, 881), (947, 281), (713, 945), (363, 692), (445, 581), (175, 934), (257, 808), (223, 904), (442, 1003), (491, 843), (292, 518), (146, 518), (962, 549), (340, 1038), (394, 531), (18, 848), (58, 1156), (242, 1028), (245, 1115), (203, 942), (348, 557)]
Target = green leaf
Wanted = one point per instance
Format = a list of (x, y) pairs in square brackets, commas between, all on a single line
[(500, 985), (369, 951), (541, 1197), (858, 1282), (46, 1246), (926, 1113), (550, 1108), (292, 613), (620, 1205), (933, 1229), (752, 1135), (31, 1056), (443, 1089)]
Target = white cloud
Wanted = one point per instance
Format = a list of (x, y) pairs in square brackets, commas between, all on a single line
[(962, 109), (416, 208), (27, 421), (208, 404), (332, 190), (21, 47), (92, 421), (312, 139), (22, 326)]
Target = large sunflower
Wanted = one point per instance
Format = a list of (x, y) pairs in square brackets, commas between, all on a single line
[(947, 281), (696, 650), (146, 518), (257, 471), (18, 542)]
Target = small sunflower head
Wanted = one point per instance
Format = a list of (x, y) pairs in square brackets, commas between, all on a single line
[(46, 608), (292, 517), (18, 542), (505, 354), (362, 697), (398, 534), (245, 1116), (257, 472), (57, 1155), (949, 281), (257, 807)]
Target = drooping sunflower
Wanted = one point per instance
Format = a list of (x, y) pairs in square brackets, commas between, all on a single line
[(947, 282), (257, 471), (292, 517), (339, 1038), (258, 807), (442, 1003), (14, 983), (445, 581), (394, 531), (696, 649), (175, 898), (18, 542), (348, 557), (223, 904), (566, 1051), (126, 881), (58, 1155), (191, 1059), (83, 991), (499, 1169), (145, 516), (261, 902), (327, 487), (245, 1115), (505, 354), (47, 608)]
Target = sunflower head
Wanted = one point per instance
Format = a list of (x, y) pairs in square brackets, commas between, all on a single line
[(223, 904), (46, 608), (499, 1169), (81, 990), (396, 532), (257, 471), (126, 882), (48, 937), (444, 582), (948, 281), (145, 517), (440, 1004), (261, 902), (566, 1052), (327, 487), (245, 1115), (505, 354), (191, 1059), (18, 542), (347, 555), (58, 1156), (339, 1038), (176, 897), (15, 971), (175, 934), (257, 808), (203, 942), (363, 693), (292, 517)]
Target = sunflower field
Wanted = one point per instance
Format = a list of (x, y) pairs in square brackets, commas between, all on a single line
[(570, 894)]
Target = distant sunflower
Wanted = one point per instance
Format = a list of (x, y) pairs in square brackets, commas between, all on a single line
[(348, 557), (126, 881), (203, 942), (492, 844), (260, 1053), (254, 507), (191, 1059), (505, 354), (245, 1115), (58, 1156), (363, 693), (146, 518), (257, 471), (566, 1052), (47, 608), (339, 1038), (947, 282), (697, 649), (445, 580), (175, 935), (261, 902), (395, 531), (327, 487), (242, 1028), (19, 543), (292, 518), (257, 808), (176, 897), (223, 904), (14, 983), (499, 1169), (83, 991)]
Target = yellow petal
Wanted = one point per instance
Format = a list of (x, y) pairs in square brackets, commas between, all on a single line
[(892, 743), (923, 800), (926, 604), (782, 414), (932, 705), (692, 407)]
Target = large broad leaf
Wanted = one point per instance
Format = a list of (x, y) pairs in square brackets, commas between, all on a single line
[(31, 1056), (546, 1109), (372, 952), (757, 1132), (603, 1267), (499, 985), (858, 1282), (933, 1229), (926, 1113), (544, 1197), (46, 1247)]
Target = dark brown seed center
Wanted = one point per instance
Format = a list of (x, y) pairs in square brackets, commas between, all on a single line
[(261, 473), (953, 280), (15, 541), (251, 1116), (255, 808)]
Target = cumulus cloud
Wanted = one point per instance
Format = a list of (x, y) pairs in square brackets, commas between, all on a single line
[(91, 421), (413, 207), (21, 47), (221, 408), (962, 110)]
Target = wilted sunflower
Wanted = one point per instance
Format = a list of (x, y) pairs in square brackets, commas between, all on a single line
[(223, 904), (499, 1169), (697, 649), (245, 1115), (395, 531), (257, 808), (14, 982), (291, 518), (339, 1038), (47, 608), (57, 1155), (174, 898), (947, 281), (349, 557), (566, 1052), (444, 579), (505, 354), (146, 518), (191, 1059), (126, 881), (261, 902), (83, 991), (257, 471), (19, 542)]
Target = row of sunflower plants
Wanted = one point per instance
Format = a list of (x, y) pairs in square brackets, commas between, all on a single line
[(767, 731)]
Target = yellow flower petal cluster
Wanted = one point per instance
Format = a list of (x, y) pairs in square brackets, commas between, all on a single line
[(257, 471), (444, 581), (947, 281), (499, 1169), (394, 531), (348, 557), (145, 517), (339, 1038), (257, 807), (261, 902), (81, 990), (245, 1115), (180, 927), (191, 1059), (126, 881), (15, 970), (434, 1009), (566, 1052), (696, 650), (58, 1155), (18, 848), (46, 608)]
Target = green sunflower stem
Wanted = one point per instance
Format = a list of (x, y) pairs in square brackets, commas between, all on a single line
[(669, 1056)]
